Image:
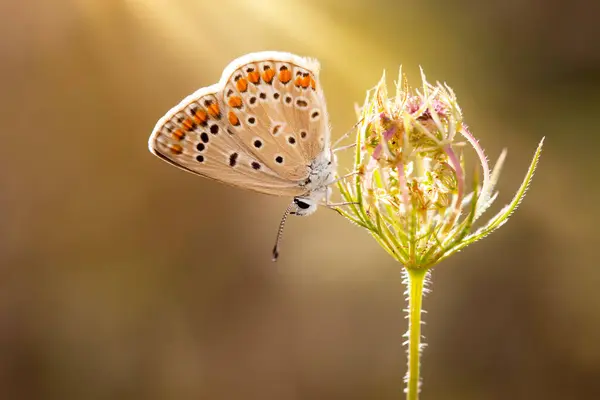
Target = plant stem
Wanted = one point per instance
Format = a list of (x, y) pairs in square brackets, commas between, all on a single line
[(416, 281)]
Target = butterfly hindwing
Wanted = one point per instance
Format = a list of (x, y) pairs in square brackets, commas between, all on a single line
[(194, 136)]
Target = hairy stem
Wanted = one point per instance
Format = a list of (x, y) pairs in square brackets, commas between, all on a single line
[(415, 279)]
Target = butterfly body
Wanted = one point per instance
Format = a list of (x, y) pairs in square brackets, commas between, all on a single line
[(321, 173), (263, 127)]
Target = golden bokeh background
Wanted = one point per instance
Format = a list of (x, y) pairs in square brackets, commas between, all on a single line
[(124, 278)]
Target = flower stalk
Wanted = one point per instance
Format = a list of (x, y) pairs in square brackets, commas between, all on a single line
[(410, 189), (415, 280)]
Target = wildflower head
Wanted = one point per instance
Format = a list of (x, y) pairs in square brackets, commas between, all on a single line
[(411, 190)]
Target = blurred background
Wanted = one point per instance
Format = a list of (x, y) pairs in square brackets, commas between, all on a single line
[(122, 277)]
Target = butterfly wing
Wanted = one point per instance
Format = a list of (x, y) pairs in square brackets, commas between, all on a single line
[(258, 128), (277, 109)]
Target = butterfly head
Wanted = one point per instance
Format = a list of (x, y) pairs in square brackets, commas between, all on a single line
[(321, 175), (306, 205)]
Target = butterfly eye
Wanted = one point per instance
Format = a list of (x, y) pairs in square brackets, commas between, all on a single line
[(301, 203)]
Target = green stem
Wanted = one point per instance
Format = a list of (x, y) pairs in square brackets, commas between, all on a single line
[(416, 282)]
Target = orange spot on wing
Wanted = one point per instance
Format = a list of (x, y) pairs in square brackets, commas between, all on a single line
[(254, 77), (298, 81), (306, 81), (268, 75), (313, 84), (176, 149), (188, 124), (241, 85), (178, 134), (233, 119), (285, 76), (200, 117), (213, 111), (235, 101)]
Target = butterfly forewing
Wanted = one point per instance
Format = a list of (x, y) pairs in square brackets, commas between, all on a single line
[(259, 128)]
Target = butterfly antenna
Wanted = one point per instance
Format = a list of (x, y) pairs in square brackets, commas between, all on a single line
[(280, 231)]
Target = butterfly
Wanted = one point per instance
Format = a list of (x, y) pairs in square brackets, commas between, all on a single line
[(264, 127)]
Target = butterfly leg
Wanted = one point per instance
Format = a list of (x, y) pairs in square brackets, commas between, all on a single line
[(344, 147), (334, 205), (341, 178), (345, 203)]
